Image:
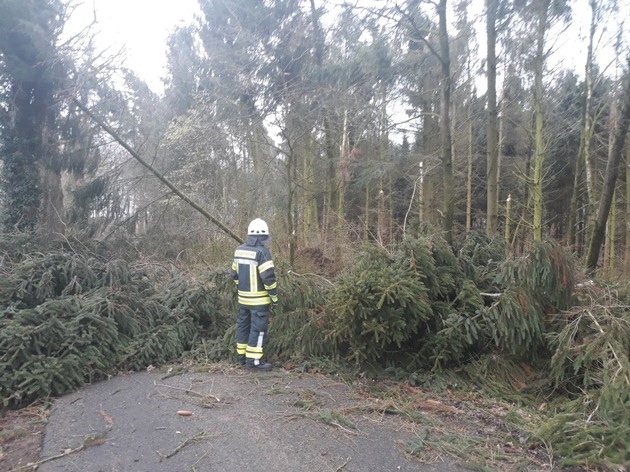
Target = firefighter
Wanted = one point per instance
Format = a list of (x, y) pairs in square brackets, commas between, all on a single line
[(254, 275)]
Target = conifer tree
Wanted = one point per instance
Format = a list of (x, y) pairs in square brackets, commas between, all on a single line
[(30, 76)]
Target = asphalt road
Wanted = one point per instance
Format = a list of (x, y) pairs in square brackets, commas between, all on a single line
[(240, 421)]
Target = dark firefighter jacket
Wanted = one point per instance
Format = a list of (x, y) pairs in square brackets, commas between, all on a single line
[(253, 273)]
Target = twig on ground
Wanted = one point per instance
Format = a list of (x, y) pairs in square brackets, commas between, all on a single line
[(344, 429), (197, 437), (192, 392), (194, 466), (89, 441), (343, 466)]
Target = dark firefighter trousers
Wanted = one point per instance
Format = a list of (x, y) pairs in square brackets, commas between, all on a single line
[(251, 331)]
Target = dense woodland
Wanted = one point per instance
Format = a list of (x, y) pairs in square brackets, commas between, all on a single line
[(437, 181), (336, 123)]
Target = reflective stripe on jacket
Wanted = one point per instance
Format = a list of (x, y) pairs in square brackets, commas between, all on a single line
[(253, 272)]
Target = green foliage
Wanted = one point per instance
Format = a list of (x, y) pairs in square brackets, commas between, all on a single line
[(593, 349), (300, 322), (380, 306), (506, 377), (68, 319), (198, 302), (419, 305), (582, 437), (458, 339), (546, 271), (591, 364), (481, 259), (516, 324), (334, 418), (592, 360)]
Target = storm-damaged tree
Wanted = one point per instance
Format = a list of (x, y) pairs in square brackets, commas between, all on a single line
[(621, 123)]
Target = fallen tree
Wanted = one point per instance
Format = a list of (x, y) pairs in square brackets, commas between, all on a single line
[(418, 310), (109, 130), (68, 319)]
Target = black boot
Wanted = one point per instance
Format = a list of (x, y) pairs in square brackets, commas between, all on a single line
[(240, 359), (260, 365)]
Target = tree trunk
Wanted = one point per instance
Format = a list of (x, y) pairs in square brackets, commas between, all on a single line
[(445, 126), (469, 172), (583, 161), (492, 176), (331, 196), (610, 236), (343, 178), (540, 151), (160, 177), (51, 221), (311, 220), (421, 193), (383, 232), (508, 219), (519, 237), (366, 206), (291, 176), (615, 151), (627, 250), (576, 198)]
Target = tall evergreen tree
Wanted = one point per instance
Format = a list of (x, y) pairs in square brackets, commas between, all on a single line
[(31, 74)]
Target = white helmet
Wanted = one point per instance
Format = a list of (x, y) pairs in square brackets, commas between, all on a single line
[(257, 227)]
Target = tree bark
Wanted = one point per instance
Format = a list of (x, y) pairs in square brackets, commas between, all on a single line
[(540, 151), (583, 161), (469, 172), (508, 219), (610, 237), (627, 249), (615, 151), (445, 126), (383, 233), (311, 220), (492, 171), (332, 184)]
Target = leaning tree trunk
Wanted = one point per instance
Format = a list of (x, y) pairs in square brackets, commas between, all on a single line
[(615, 152), (343, 173), (109, 130)]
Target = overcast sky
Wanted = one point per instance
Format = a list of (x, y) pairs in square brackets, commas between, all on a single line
[(141, 26)]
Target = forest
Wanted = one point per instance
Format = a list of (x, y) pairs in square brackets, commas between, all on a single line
[(447, 198)]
